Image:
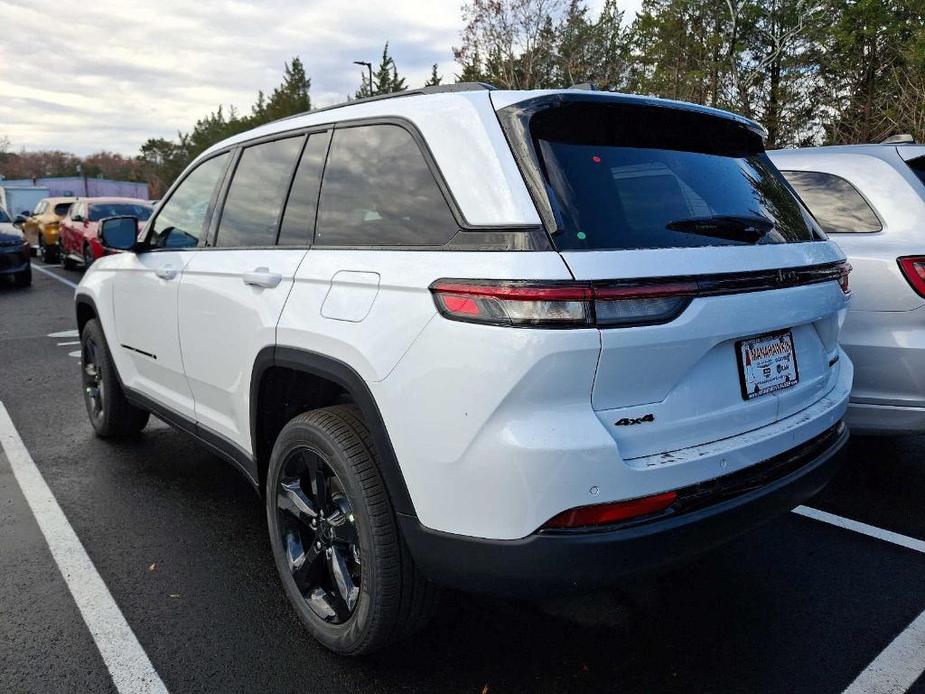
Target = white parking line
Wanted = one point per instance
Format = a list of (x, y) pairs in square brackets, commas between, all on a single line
[(898, 667), (53, 274), (128, 664), (863, 528), (901, 663)]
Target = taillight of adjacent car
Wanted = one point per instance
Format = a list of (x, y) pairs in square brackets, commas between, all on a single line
[(913, 269)]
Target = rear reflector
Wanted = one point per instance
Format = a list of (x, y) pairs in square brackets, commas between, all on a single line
[(617, 304), (913, 268), (608, 514)]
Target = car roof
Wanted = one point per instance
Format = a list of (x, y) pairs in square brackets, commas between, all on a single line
[(460, 127), (57, 201)]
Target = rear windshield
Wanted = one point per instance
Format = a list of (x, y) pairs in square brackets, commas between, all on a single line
[(628, 177), (118, 209), (62, 207)]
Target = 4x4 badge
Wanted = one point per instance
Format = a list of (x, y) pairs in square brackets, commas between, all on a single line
[(629, 421)]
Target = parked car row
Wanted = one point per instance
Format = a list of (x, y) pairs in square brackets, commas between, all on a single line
[(66, 229)]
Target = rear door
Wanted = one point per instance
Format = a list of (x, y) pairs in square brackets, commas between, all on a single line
[(685, 211), (232, 294)]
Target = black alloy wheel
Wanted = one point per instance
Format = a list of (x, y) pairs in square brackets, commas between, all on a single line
[(318, 532), (94, 388)]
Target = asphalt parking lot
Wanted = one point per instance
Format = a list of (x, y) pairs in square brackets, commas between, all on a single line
[(179, 539)]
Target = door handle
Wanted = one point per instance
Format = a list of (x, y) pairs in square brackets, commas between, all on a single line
[(262, 277), (167, 272)]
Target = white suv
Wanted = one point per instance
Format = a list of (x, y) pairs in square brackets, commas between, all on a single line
[(515, 342)]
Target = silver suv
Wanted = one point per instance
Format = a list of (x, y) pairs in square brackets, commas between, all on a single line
[(870, 199)]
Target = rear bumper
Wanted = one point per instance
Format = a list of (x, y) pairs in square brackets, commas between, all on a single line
[(549, 563)]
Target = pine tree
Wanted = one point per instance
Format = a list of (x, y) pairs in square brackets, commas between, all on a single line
[(385, 78), (434, 79), (291, 96)]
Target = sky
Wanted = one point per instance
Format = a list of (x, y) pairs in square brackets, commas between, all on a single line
[(109, 74)]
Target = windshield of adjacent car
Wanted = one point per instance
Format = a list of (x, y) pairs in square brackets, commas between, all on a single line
[(100, 211), (630, 176)]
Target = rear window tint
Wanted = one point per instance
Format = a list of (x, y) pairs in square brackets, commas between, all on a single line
[(257, 192), (835, 203), (379, 191), (299, 217), (628, 177)]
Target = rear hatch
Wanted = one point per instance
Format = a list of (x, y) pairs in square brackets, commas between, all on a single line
[(719, 297)]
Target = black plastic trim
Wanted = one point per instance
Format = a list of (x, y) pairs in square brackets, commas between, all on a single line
[(346, 377), (218, 444)]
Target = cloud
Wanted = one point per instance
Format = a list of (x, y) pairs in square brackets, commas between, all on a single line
[(117, 72)]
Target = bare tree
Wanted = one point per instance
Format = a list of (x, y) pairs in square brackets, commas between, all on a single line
[(513, 37)]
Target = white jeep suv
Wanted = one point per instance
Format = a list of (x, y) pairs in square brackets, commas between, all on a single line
[(513, 342)]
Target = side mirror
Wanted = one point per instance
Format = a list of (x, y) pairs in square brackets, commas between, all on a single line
[(19, 220), (119, 233), (77, 218)]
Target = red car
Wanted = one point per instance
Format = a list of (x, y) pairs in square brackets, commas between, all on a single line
[(78, 238)]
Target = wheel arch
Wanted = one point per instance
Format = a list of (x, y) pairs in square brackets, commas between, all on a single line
[(85, 309), (321, 370)]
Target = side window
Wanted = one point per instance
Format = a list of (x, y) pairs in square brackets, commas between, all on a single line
[(379, 191), (835, 203), (299, 217), (181, 220), (62, 208), (255, 197), (918, 167)]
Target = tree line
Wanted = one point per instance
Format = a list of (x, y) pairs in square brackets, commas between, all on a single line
[(811, 71)]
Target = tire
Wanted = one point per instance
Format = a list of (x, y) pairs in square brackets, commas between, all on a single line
[(48, 253), (88, 256), (63, 258), (23, 278), (392, 599), (110, 413)]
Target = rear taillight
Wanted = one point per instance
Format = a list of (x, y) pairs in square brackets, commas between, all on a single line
[(560, 304), (913, 268), (608, 514), (844, 270)]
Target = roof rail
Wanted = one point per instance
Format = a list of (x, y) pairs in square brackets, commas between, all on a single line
[(435, 89), (902, 139)]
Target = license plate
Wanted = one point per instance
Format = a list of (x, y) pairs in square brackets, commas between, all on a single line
[(767, 363)]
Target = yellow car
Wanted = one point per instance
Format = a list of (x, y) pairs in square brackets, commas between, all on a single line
[(41, 227)]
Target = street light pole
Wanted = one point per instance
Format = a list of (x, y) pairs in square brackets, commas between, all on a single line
[(369, 66)]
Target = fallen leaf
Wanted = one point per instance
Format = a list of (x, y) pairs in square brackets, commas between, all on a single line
[(175, 595), (152, 567)]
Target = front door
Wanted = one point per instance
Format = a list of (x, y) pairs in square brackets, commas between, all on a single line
[(147, 289)]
